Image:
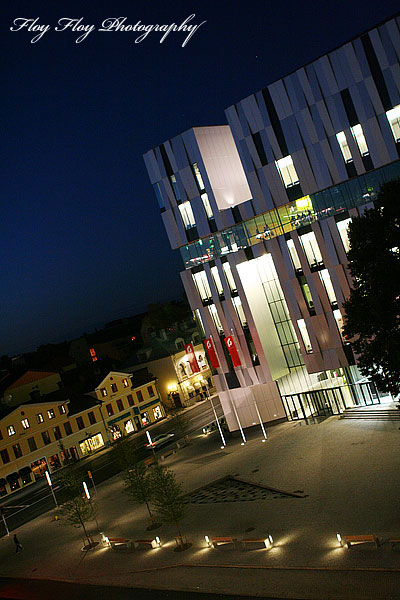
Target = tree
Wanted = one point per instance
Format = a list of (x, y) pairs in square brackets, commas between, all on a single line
[(372, 321), (180, 419), (168, 498), (137, 479)]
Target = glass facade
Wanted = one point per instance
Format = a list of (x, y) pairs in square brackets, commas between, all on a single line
[(321, 205)]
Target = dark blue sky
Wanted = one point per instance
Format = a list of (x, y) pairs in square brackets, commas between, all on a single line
[(82, 241)]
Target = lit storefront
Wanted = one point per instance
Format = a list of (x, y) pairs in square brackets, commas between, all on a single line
[(193, 384), (26, 475), (91, 444), (39, 468)]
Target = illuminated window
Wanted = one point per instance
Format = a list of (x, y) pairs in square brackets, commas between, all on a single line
[(17, 451), (341, 138), (237, 303), (110, 410), (287, 171), (175, 188), (339, 322), (61, 409), (145, 418), (39, 418), (215, 317), (103, 392), (343, 228), (311, 249), (187, 215), (207, 206), (139, 396), (198, 176), (157, 412), (293, 255), (129, 428), (91, 444), (229, 277), (114, 388), (50, 413), (327, 283), (10, 430), (120, 404), (125, 382), (304, 335), (217, 280), (393, 116), (358, 135), (305, 288), (201, 283), (151, 391), (25, 423)]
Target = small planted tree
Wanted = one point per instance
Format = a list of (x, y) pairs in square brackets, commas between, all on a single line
[(168, 499), (180, 420)]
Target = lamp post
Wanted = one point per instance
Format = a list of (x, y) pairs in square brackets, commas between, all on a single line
[(51, 487)]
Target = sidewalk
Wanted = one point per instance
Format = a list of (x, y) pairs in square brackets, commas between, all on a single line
[(347, 470)]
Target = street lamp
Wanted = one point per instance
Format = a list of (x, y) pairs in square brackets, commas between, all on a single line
[(51, 487)]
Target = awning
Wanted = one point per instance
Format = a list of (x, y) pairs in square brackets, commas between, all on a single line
[(24, 471), (12, 477)]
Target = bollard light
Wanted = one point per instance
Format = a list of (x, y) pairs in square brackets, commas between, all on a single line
[(158, 541), (207, 540), (339, 538)]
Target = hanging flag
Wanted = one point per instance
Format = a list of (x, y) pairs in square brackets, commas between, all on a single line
[(192, 358), (230, 344), (211, 353)]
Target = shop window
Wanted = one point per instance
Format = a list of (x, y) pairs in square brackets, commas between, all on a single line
[(207, 206), (26, 476), (14, 483), (130, 399), (54, 462), (68, 428), (217, 281), (229, 277), (237, 303), (103, 392), (304, 335), (61, 409), (114, 388), (393, 117), (17, 451), (293, 255), (125, 383), (46, 438), (91, 417), (39, 418), (32, 444), (327, 283), (343, 228), (120, 404), (80, 423), (151, 391), (187, 215), (344, 147), (4, 456), (51, 414), (311, 249), (175, 188), (287, 171), (129, 428), (215, 317), (11, 430), (197, 174), (92, 444), (57, 433), (39, 468), (25, 423), (358, 135), (202, 286), (110, 410), (139, 396), (145, 418), (157, 412), (115, 432)]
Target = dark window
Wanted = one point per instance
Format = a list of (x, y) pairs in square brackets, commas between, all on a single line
[(166, 162), (120, 404), (80, 423), (110, 410), (260, 148), (130, 399), (92, 418), (46, 438), (32, 444), (349, 108), (68, 428), (114, 387), (139, 396), (4, 456), (17, 451), (57, 433), (150, 390)]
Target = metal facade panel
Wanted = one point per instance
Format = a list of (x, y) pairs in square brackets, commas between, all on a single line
[(291, 133), (263, 109), (319, 166), (387, 137), (325, 118), (325, 76), (352, 62), (313, 81), (394, 35), (378, 48), (330, 161), (391, 86), (388, 45), (267, 146), (248, 112), (364, 98), (234, 122), (373, 94), (280, 99), (376, 143), (362, 59), (338, 69), (305, 85), (316, 118)]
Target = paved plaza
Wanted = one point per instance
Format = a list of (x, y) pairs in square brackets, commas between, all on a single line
[(346, 474)]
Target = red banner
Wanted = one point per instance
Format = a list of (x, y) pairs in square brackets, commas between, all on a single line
[(230, 344), (194, 365), (211, 353)]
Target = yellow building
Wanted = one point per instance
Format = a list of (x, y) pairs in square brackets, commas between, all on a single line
[(31, 385), (127, 406)]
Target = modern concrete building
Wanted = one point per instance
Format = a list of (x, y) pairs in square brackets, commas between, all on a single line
[(259, 209)]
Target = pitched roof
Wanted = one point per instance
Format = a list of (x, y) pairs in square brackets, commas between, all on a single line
[(30, 377)]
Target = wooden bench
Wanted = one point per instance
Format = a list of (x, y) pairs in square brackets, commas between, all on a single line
[(350, 540), (394, 541), (252, 541), (119, 543), (138, 543), (220, 541)]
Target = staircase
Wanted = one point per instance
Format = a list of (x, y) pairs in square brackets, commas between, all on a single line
[(375, 412)]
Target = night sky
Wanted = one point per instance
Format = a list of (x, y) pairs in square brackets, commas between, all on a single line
[(82, 241)]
